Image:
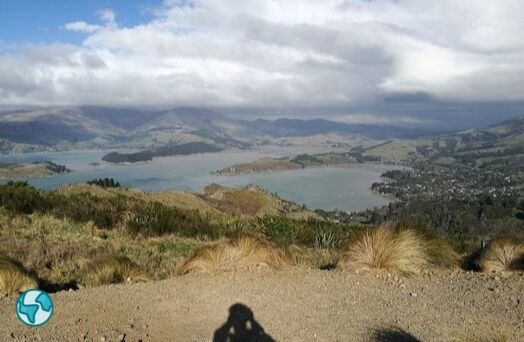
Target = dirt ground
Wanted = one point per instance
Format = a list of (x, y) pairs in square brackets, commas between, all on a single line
[(291, 305)]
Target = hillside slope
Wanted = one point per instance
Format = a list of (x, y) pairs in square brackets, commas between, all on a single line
[(499, 140), (250, 200)]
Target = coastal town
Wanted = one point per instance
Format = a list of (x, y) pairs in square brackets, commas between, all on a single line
[(457, 183)]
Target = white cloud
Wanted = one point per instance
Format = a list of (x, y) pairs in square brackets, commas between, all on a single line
[(281, 54), (107, 16), (82, 26)]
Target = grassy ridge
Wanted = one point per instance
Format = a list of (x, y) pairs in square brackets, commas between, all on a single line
[(58, 234), (141, 216)]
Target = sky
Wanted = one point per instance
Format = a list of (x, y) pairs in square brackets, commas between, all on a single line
[(443, 63)]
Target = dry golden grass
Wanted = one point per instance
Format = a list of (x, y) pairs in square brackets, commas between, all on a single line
[(57, 249), (247, 201), (14, 278), (244, 252), (394, 250), (112, 269), (215, 200), (314, 257), (440, 254), (503, 253)]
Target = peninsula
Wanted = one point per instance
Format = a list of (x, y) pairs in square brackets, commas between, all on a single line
[(34, 169), (296, 162), (166, 151)]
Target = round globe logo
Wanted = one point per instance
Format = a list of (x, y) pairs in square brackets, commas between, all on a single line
[(34, 307)]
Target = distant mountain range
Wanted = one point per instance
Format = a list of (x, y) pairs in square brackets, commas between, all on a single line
[(90, 127), (296, 127)]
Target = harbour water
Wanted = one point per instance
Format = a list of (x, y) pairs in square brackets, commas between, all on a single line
[(343, 187)]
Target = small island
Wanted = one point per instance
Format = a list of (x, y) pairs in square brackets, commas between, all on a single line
[(28, 170), (300, 161), (166, 151)]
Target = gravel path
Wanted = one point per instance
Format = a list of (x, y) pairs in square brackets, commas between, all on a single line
[(291, 305)]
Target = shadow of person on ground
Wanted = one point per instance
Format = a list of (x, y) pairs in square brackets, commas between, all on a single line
[(241, 326), (393, 335)]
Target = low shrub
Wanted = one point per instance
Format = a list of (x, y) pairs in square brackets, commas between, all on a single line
[(155, 219), (105, 212), (326, 239), (21, 198), (104, 183), (277, 229)]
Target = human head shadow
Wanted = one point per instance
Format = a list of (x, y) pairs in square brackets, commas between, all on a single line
[(393, 335), (241, 326)]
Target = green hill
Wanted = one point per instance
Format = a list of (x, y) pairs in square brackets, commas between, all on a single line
[(494, 143)]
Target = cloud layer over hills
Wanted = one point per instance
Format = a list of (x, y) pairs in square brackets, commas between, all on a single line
[(341, 54)]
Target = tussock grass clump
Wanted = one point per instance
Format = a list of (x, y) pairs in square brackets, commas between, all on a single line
[(14, 278), (403, 251), (503, 253), (383, 248), (244, 252), (440, 254), (112, 269)]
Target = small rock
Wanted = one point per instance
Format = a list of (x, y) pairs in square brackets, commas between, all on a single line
[(103, 339), (121, 338), (413, 294)]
